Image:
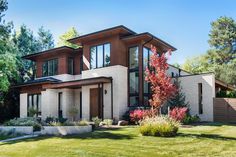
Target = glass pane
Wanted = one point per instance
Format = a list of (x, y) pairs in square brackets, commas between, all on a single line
[(145, 101), (133, 57), (50, 68), (45, 69), (55, 66), (39, 103), (93, 57), (107, 52), (70, 66), (30, 101), (133, 100), (100, 56), (145, 87), (133, 81), (145, 58), (35, 101)]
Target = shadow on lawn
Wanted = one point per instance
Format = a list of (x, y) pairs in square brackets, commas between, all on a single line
[(98, 134), (213, 124), (209, 136)]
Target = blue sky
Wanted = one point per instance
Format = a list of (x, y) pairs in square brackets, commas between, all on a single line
[(185, 24)]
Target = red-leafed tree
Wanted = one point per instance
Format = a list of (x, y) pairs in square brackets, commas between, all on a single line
[(161, 86)]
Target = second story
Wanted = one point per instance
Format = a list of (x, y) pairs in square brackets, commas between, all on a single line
[(114, 46)]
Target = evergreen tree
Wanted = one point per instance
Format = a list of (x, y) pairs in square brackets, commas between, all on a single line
[(45, 39), (71, 33), (179, 99)]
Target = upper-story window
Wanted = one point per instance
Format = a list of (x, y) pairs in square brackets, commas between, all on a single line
[(50, 67), (70, 66), (100, 56)]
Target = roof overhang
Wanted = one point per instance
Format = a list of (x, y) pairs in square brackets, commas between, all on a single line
[(224, 85), (56, 84), (121, 30), (151, 40), (58, 50)]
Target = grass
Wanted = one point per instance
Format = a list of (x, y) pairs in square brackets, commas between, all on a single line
[(204, 140)]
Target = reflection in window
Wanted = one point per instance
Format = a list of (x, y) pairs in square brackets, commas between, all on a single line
[(100, 56), (50, 67), (133, 57), (133, 100), (70, 66), (134, 82), (34, 103), (93, 57)]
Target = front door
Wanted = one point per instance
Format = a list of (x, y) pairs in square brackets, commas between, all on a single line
[(95, 103)]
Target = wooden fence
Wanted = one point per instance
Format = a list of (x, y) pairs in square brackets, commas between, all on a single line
[(224, 110)]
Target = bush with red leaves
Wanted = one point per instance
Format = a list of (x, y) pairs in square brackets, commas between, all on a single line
[(178, 113)]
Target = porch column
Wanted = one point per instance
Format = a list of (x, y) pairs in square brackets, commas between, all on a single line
[(23, 105), (49, 103)]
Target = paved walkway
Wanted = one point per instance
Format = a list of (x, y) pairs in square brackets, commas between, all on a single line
[(19, 138)]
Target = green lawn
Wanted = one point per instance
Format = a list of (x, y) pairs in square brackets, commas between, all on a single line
[(204, 140)]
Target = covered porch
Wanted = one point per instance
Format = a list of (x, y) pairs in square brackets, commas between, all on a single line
[(75, 100)]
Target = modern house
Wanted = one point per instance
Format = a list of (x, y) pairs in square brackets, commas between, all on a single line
[(105, 76)]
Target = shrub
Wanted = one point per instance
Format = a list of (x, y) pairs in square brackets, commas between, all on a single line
[(30, 121), (53, 121), (139, 114), (108, 122), (188, 119), (82, 123), (159, 126), (178, 113), (96, 121)]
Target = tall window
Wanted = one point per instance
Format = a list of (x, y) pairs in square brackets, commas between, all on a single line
[(50, 67), (146, 86), (70, 66), (100, 56), (200, 98), (133, 76), (81, 64), (34, 103), (60, 105)]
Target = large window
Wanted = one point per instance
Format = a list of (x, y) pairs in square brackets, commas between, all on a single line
[(133, 76), (70, 66), (146, 86), (50, 67), (34, 105), (100, 56)]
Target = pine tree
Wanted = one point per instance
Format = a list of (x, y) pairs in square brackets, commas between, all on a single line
[(179, 99)]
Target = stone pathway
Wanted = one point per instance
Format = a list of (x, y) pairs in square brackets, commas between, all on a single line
[(19, 138)]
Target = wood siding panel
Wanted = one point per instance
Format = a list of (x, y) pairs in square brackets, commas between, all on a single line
[(224, 110)]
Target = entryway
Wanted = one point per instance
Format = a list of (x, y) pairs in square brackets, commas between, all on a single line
[(96, 109)]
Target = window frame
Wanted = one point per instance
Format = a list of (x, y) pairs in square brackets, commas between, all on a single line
[(47, 69), (39, 113), (71, 72), (96, 54), (136, 69)]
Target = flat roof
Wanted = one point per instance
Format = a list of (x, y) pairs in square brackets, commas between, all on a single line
[(33, 55), (120, 27), (151, 37)]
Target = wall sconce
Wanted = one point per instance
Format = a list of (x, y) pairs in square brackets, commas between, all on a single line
[(105, 91)]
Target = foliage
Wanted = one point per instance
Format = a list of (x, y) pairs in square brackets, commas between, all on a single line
[(137, 115), (178, 113), (73, 112), (221, 58), (178, 100), (50, 120), (188, 119), (32, 112), (45, 39), (25, 122), (82, 123), (71, 33), (159, 126), (226, 94), (107, 122), (96, 121), (161, 86)]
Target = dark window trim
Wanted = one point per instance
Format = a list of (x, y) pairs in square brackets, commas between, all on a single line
[(32, 101), (73, 66), (200, 105), (60, 111), (46, 61), (136, 69), (103, 54)]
